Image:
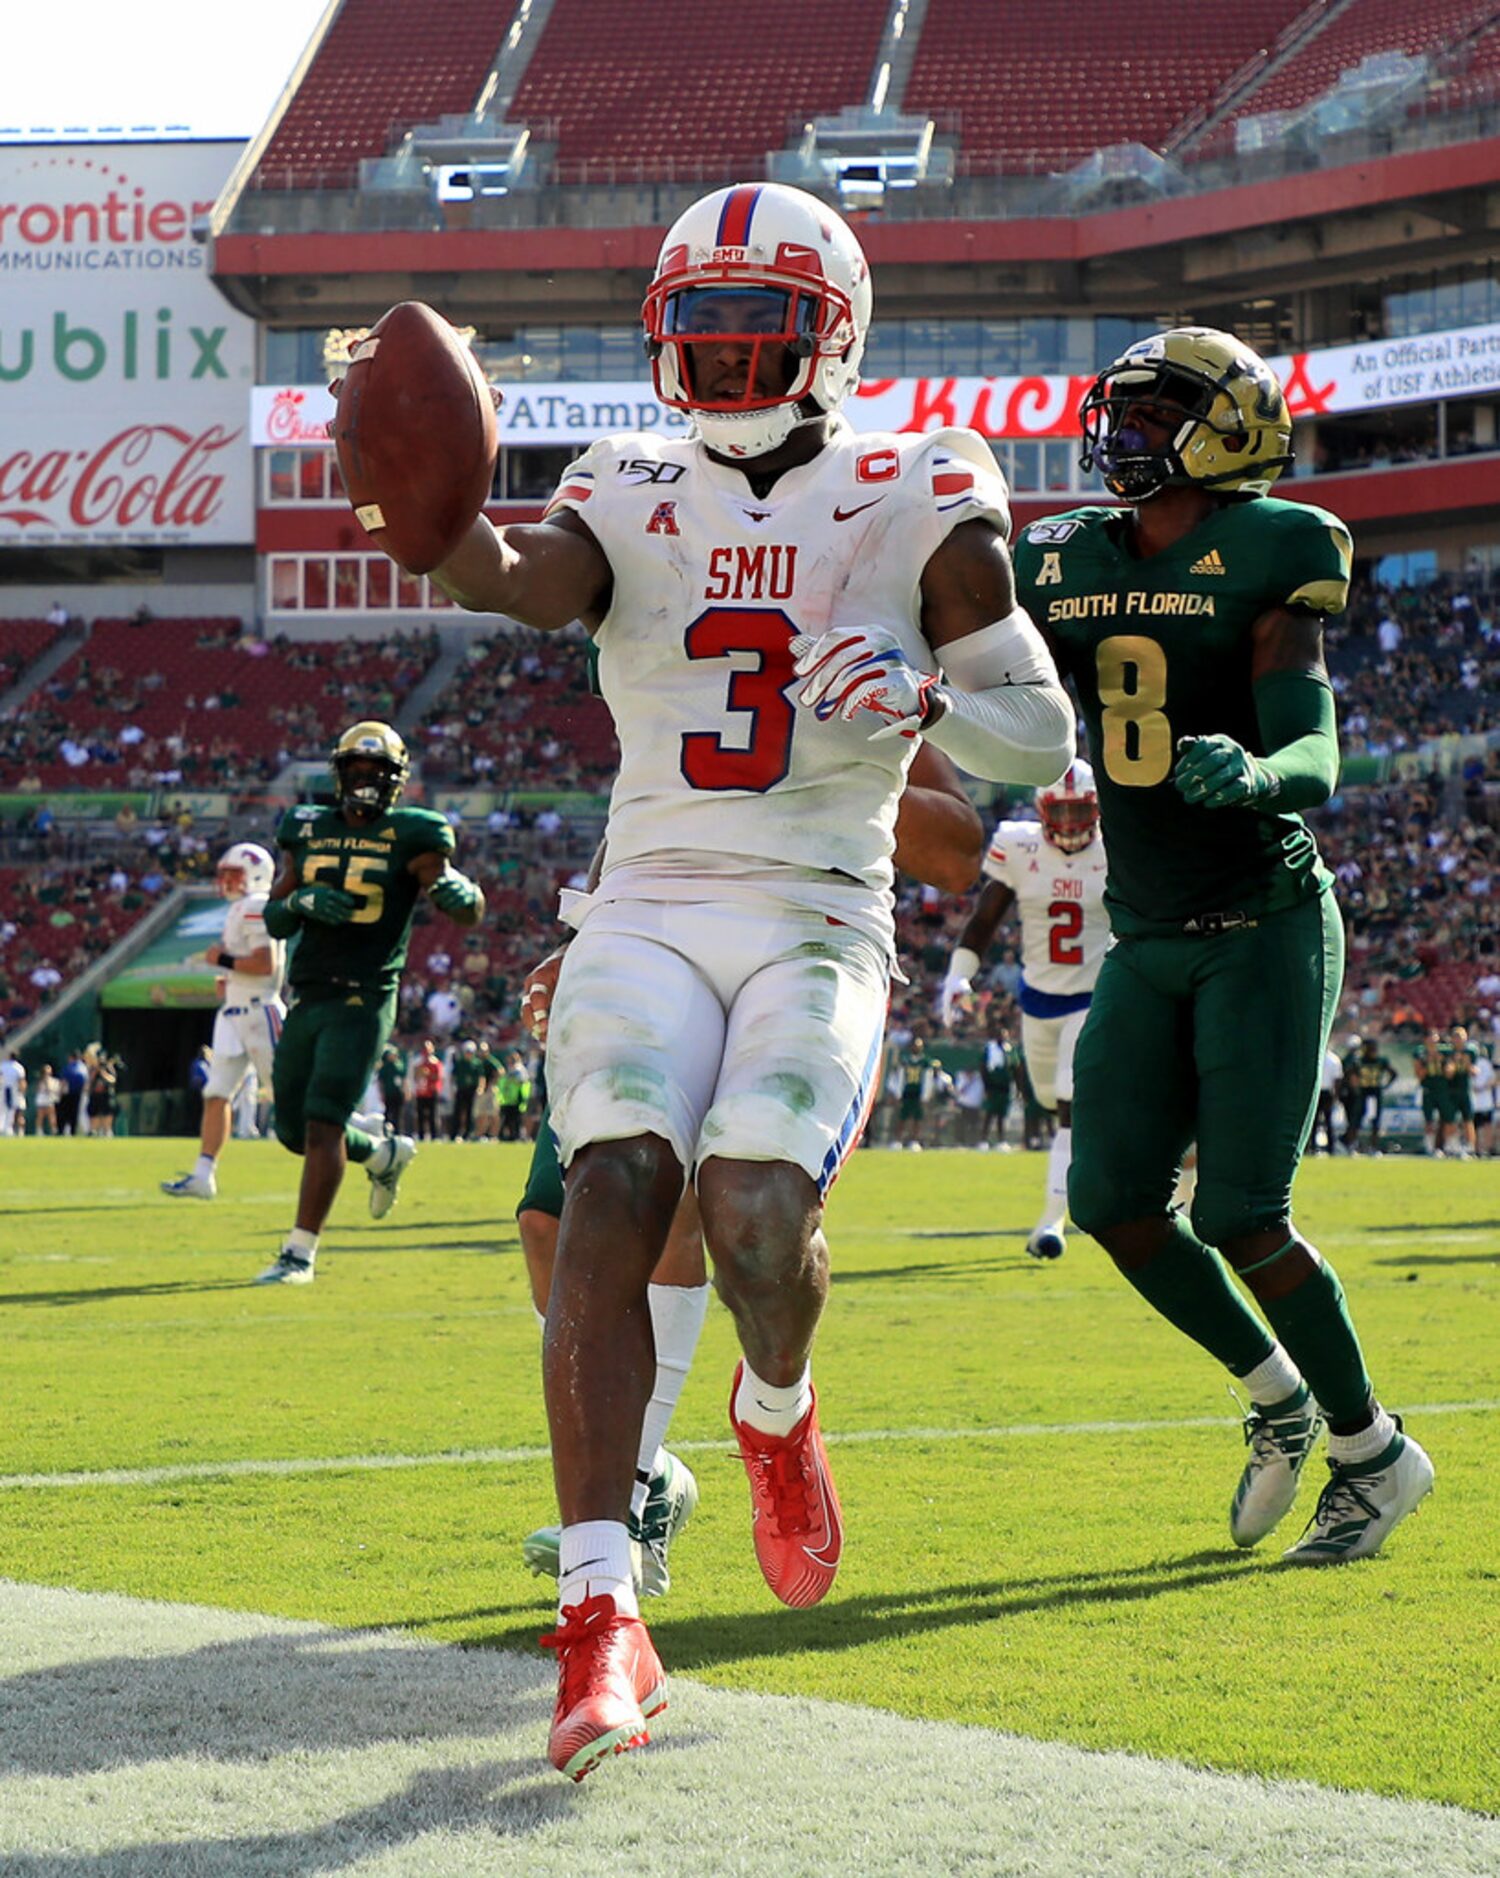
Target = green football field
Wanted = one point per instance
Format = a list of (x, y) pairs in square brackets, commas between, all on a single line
[(1035, 1470)]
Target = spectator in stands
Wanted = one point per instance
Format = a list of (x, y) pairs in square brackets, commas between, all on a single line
[(58, 616)]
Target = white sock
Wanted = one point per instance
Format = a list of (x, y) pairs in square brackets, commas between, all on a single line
[(771, 1409), (541, 1318), (1350, 1450), (205, 1168), (304, 1242), (1055, 1206), (677, 1313), (1273, 1380), (594, 1557), (1187, 1185)]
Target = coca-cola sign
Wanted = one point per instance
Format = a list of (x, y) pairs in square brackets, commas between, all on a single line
[(146, 482), (123, 371)]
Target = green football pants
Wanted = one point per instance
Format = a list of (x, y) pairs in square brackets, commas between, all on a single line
[(328, 1051), (544, 1179), (1218, 1040)]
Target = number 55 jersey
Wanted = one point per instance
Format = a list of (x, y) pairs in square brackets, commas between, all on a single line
[(721, 771), (1160, 649)]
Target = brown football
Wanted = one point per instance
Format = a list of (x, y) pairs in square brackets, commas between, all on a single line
[(416, 436)]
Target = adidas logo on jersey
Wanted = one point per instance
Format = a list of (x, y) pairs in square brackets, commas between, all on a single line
[(1209, 563)]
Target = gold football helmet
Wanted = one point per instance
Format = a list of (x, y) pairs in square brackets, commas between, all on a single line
[(370, 767), (1228, 428)]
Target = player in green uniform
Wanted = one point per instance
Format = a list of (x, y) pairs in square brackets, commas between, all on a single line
[(1191, 624), (347, 890), (1367, 1076), (1430, 1062)]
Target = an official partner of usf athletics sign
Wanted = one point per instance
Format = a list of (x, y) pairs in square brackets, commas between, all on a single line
[(123, 373)]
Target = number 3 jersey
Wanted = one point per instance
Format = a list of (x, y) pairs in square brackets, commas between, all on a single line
[(721, 771), (1160, 649), (1060, 900)]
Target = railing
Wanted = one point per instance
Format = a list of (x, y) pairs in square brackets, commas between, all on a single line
[(609, 193)]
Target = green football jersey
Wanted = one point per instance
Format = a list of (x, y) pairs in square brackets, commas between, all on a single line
[(371, 862), (1160, 649)]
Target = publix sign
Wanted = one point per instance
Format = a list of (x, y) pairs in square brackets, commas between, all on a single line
[(123, 373)]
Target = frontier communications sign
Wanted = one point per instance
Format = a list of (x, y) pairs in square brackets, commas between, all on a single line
[(124, 375)]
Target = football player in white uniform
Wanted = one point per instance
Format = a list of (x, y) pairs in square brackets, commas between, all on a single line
[(249, 1021), (781, 608), (1052, 872)]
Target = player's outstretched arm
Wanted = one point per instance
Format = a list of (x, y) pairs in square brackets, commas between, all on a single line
[(939, 836), (544, 574), (997, 708), (451, 892), (973, 942)]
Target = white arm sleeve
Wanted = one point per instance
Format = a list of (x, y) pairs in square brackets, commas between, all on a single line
[(1006, 717)]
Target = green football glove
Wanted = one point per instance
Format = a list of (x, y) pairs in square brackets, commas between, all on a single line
[(329, 906), (1218, 773), (453, 892)]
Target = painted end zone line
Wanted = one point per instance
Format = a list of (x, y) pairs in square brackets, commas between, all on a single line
[(513, 1457)]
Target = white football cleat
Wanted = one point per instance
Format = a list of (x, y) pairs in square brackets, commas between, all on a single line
[(1047, 1242), (191, 1187), (1362, 1506), (402, 1152), (1280, 1439), (291, 1268)]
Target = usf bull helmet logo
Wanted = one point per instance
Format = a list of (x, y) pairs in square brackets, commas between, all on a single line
[(1226, 422)]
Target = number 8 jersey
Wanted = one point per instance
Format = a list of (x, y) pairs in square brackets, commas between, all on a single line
[(720, 768), (1160, 649)]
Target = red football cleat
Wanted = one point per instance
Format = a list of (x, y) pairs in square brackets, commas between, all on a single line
[(609, 1683), (796, 1522)]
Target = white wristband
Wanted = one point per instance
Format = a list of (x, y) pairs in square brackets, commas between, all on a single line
[(963, 963)]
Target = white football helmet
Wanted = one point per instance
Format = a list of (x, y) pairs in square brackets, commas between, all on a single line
[(1069, 808), (244, 869), (758, 265)]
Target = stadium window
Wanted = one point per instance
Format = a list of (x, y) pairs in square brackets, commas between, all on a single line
[(1417, 569), (532, 475), (281, 475), (286, 584), (541, 352), (1026, 466), (293, 358), (378, 571), (315, 584), (409, 589), (346, 583), (621, 353), (885, 351), (1058, 460), (580, 353), (924, 348), (310, 476), (963, 350)]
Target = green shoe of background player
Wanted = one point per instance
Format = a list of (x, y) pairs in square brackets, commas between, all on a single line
[(671, 1497)]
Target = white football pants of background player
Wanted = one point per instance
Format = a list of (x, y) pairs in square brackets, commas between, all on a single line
[(1049, 1044)]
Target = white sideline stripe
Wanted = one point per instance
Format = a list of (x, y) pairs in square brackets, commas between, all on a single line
[(159, 1740), (514, 1457)]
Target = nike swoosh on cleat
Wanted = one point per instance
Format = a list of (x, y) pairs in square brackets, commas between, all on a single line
[(844, 515)]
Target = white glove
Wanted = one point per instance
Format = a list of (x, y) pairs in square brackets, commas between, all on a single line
[(860, 675), (958, 986)]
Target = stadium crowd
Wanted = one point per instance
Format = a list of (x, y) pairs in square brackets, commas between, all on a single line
[(1415, 855)]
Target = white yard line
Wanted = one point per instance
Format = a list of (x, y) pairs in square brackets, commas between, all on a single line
[(512, 1457), (146, 1740)]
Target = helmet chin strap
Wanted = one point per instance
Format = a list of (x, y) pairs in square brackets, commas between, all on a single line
[(753, 435)]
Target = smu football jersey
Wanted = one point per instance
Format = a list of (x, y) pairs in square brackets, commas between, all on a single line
[(245, 931), (1060, 898), (720, 769)]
